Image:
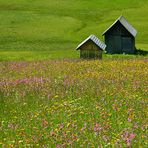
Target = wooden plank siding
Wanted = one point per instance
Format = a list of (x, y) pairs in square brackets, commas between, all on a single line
[(120, 37), (90, 51)]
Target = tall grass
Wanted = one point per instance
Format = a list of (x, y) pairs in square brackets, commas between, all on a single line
[(73, 103)]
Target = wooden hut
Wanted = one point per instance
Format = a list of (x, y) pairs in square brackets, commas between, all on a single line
[(120, 37), (91, 48)]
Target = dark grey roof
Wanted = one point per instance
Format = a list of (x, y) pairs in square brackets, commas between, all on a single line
[(95, 40), (126, 24)]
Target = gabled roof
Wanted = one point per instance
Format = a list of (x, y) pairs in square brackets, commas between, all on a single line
[(126, 24), (94, 39)]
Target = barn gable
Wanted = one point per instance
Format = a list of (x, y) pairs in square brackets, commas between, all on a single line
[(95, 40), (120, 37), (126, 24), (91, 48)]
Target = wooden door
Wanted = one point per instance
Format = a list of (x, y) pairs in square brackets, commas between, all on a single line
[(126, 45)]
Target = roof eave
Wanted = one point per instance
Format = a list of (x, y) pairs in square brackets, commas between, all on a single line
[(78, 48), (93, 39), (119, 20), (81, 44), (110, 27)]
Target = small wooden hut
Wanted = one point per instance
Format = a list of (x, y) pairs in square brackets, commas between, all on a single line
[(91, 48), (120, 37)]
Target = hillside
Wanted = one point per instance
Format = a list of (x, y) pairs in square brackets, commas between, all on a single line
[(62, 24)]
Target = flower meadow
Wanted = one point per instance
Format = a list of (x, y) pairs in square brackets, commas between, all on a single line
[(64, 103)]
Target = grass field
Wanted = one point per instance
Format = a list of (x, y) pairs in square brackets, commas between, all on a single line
[(28, 26), (51, 98), (74, 103)]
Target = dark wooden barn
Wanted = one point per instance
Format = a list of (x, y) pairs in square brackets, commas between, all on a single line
[(91, 48), (120, 37)]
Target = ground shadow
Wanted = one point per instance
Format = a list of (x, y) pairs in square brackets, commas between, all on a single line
[(141, 52)]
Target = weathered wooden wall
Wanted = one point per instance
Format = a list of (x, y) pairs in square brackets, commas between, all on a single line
[(90, 51), (119, 40)]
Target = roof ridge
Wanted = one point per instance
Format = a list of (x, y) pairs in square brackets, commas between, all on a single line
[(96, 40), (126, 24)]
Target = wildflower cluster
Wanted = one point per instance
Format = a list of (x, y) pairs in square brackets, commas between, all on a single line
[(73, 103)]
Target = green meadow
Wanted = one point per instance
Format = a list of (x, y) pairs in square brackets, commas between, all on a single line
[(49, 97), (67, 103), (41, 30)]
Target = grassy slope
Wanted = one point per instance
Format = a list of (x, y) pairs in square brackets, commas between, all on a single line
[(60, 25)]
